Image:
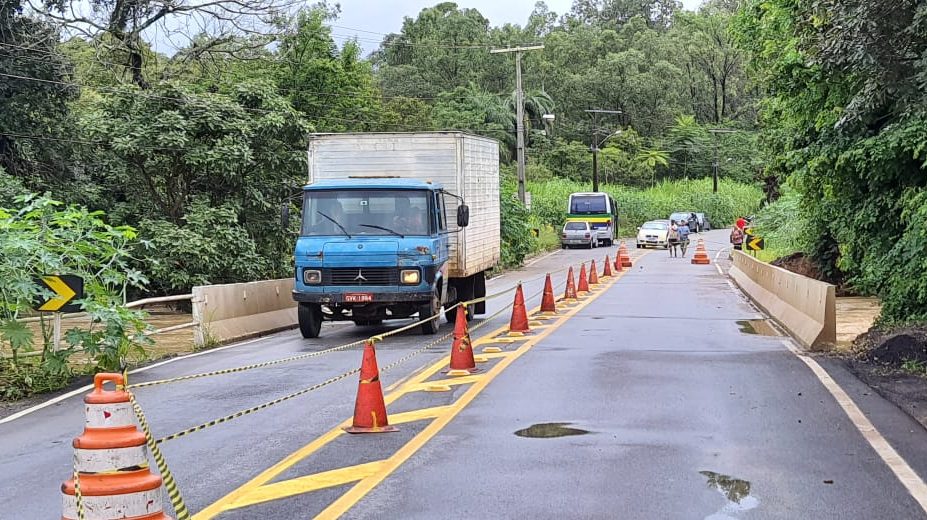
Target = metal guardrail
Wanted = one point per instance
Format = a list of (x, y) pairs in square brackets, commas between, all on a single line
[(131, 305)]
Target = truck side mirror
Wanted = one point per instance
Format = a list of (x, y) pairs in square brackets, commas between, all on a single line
[(285, 216), (463, 215)]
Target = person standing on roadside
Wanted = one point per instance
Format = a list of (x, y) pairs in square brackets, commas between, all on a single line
[(683, 230), (672, 239)]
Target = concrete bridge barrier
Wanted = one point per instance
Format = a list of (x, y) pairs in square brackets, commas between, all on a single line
[(804, 306), (241, 310)]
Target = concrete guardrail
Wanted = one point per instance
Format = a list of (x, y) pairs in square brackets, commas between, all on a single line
[(807, 308), (241, 310)]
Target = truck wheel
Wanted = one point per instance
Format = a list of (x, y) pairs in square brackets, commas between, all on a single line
[(430, 309), (310, 319)]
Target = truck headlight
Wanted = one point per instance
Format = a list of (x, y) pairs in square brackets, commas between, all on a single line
[(312, 276), (410, 276)]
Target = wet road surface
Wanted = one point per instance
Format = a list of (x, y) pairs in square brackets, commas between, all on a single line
[(665, 395)]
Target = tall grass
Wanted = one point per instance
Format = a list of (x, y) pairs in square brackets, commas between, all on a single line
[(635, 206)]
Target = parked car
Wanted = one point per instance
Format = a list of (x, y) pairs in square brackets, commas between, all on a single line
[(653, 234), (688, 217), (577, 233), (704, 224)]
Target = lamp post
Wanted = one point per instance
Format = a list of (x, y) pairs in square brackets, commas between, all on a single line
[(714, 165), (595, 146)]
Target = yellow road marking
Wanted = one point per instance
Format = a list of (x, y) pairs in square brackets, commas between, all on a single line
[(367, 483), (455, 381), (417, 415), (356, 493), (300, 485)]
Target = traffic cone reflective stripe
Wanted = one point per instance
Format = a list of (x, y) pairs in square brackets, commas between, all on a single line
[(623, 255), (593, 274), (519, 323), (607, 272), (701, 254), (369, 407), (111, 459), (570, 293), (462, 361), (548, 305), (583, 281)]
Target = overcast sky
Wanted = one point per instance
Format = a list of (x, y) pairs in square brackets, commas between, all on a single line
[(380, 17)]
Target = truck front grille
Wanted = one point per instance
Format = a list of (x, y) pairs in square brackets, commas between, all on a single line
[(362, 276)]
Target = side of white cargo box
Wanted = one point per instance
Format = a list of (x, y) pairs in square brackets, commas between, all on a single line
[(465, 165)]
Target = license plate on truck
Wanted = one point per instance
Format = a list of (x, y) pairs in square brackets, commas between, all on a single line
[(358, 297)]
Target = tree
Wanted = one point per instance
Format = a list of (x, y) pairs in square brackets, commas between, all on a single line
[(119, 26), (34, 96), (441, 49), (847, 122), (689, 145)]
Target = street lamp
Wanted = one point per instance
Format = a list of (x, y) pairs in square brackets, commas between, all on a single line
[(714, 165), (548, 120), (595, 147)]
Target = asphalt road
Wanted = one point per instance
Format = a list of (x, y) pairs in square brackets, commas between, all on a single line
[(36, 453), (650, 399)]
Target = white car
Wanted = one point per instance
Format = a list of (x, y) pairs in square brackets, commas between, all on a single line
[(653, 234), (577, 233)]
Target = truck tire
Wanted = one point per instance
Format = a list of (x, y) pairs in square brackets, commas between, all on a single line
[(310, 319), (429, 310)]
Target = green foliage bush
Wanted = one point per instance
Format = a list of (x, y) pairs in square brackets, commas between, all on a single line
[(210, 247), (517, 241), (636, 206), (41, 237)]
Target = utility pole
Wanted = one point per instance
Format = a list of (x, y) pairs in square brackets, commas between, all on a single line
[(594, 148), (715, 166), (519, 114)]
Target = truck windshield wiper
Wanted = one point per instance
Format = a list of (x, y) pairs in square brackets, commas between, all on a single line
[(388, 230), (335, 222)]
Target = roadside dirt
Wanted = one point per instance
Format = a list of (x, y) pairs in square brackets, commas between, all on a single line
[(877, 359)]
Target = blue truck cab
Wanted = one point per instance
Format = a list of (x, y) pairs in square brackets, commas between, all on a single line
[(372, 249)]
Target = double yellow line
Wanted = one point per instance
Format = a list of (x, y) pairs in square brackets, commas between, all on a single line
[(367, 476)]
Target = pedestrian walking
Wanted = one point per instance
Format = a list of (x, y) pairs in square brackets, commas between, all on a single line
[(683, 236), (672, 239), (737, 238)]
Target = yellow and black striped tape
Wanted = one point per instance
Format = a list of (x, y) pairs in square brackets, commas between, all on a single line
[(77, 495), (255, 409), (248, 367), (180, 508)]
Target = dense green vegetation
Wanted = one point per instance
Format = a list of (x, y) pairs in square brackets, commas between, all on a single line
[(195, 149), (846, 122)]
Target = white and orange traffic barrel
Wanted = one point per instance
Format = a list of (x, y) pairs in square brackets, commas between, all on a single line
[(111, 459)]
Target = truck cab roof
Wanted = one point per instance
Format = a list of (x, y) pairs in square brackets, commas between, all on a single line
[(372, 182)]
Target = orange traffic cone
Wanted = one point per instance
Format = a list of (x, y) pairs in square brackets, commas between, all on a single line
[(618, 262), (369, 408), (583, 280), (607, 272), (548, 305), (623, 255), (519, 323), (111, 459), (593, 274), (701, 254), (570, 293), (462, 362)]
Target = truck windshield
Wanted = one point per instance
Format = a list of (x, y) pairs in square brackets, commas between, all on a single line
[(402, 212)]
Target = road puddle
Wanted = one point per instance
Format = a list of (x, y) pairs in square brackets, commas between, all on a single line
[(550, 430), (758, 327), (735, 491)]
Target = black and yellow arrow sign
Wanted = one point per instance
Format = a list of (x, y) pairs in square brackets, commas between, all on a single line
[(67, 288), (756, 243)]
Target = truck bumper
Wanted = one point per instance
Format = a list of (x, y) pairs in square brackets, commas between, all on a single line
[(349, 298)]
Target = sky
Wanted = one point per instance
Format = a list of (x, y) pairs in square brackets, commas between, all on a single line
[(380, 17)]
